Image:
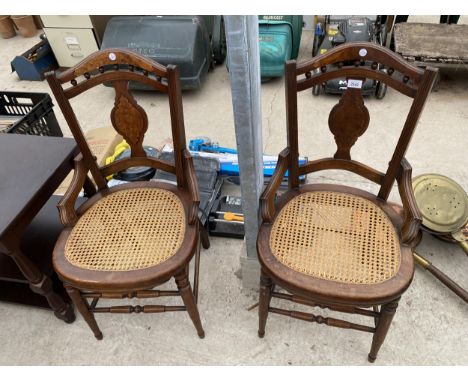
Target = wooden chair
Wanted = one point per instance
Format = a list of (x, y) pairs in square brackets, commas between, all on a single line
[(126, 240), (332, 246)]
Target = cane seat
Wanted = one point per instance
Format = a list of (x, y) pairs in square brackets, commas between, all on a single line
[(128, 230), (336, 236)]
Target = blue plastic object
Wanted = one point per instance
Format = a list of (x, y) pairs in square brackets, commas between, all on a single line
[(230, 166), (34, 63), (318, 29), (203, 144)]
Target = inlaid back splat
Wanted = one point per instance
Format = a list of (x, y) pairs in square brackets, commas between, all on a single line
[(129, 118), (348, 120)]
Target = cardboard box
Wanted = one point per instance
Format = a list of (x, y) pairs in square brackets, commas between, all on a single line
[(102, 142)]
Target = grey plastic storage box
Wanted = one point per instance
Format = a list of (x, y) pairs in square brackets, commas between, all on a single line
[(180, 40)]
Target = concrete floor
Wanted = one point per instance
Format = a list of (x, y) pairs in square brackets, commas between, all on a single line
[(430, 325)]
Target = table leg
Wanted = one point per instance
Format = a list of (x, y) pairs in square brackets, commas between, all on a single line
[(42, 285)]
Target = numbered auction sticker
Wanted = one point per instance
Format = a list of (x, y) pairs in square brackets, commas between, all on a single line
[(112, 56), (356, 84)]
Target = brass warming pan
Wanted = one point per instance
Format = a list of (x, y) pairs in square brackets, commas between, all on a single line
[(444, 209)]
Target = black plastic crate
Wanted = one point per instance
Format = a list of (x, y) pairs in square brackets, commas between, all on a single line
[(35, 110)]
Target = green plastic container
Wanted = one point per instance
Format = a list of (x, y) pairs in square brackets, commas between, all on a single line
[(280, 38)]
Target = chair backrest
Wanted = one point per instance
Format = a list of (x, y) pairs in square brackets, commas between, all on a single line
[(349, 119), (118, 67)]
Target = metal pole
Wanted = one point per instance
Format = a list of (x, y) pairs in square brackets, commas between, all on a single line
[(244, 70)]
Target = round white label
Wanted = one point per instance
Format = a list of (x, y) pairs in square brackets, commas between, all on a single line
[(363, 52), (112, 56)]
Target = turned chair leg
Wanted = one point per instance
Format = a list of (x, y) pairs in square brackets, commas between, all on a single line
[(386, 316), (205, 240), (264, 303), (83, 307), (183, 284)]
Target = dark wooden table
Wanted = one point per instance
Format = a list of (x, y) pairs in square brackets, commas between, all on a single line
[(31, 169)]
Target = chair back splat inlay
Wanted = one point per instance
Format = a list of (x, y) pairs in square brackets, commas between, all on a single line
[(336, 236), (129, 119), (348, 120)]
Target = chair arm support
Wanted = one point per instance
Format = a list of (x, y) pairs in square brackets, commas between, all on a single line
[(412, 222), (267, 199), (191, 179), (66, 206)]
